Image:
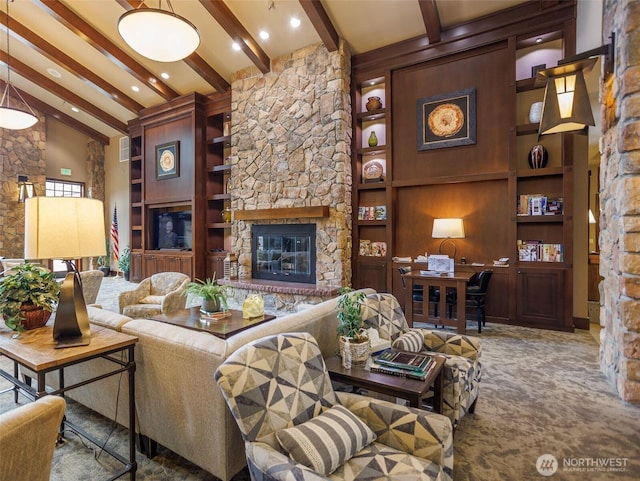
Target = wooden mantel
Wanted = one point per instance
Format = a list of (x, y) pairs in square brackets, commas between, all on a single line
[(282, 213)]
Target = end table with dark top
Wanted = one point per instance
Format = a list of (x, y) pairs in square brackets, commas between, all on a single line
[(224, 327), (412, 390)]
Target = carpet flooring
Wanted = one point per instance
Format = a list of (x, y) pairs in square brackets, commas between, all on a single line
[(542, 395)]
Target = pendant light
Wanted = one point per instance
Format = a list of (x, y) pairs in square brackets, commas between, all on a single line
[(159, 34), (10, 117)]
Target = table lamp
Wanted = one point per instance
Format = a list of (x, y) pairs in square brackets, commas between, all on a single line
[(447, 229), (66, 228)]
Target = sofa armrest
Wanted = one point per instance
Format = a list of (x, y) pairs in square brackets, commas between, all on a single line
[(432, 439), (276, 466), (174, 301), (452, 343), (127, 298)]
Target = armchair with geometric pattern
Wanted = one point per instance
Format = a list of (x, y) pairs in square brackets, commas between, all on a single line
[(159, 294), (296, 427), (462, 368)]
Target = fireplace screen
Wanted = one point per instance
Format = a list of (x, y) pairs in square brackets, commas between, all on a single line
[(284, 252)]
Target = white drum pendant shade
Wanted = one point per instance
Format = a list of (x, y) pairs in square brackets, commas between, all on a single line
[(158, 34)]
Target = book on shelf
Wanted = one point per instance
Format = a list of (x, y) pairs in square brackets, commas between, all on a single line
[(374, 212), (379, 249), (535, 250), (409, 361), (380, 212), (365, 247)]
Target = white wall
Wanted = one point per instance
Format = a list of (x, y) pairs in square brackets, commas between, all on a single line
[(117, 192)]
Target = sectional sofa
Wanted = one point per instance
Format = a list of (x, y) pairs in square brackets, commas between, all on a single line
[(178, 403)]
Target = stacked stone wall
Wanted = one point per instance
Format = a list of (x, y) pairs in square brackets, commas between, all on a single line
[(291, 147), (620, 204)]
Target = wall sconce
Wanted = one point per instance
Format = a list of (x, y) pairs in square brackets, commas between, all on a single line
[(230, 264), (26, 189), (448, 229), (566, 106)]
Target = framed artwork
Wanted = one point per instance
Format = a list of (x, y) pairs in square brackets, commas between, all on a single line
[(168, 160), (446, 120)]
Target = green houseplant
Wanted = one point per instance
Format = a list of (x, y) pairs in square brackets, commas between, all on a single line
[(214, 296), (351, 325), (104, 262), (27, 297), (123, 263)]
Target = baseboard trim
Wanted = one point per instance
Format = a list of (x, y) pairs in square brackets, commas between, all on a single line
[(581, 323)]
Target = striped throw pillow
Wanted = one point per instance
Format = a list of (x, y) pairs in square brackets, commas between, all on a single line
[(412, 340), (327, 441)]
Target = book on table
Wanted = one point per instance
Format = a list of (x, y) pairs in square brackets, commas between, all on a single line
[(415, 362), (394, 371)]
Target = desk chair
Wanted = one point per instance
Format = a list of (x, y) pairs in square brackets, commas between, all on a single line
[(476, 294)]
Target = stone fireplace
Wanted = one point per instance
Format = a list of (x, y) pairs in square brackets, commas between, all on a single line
[(284, 252)]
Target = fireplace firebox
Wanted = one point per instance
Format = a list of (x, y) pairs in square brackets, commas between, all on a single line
[(284, 252)]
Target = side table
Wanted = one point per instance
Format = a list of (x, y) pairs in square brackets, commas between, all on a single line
[(412, 390)]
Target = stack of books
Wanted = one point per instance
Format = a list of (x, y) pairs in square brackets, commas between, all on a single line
[(412, 365)]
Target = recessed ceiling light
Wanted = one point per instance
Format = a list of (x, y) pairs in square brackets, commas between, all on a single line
[(264, 35), (75, 109), (539, 40), (54, 73), (236, 46), (164, 75), (135, 88), (294, 22)]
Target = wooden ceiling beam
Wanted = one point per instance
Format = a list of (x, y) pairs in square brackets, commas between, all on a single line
[(228, 21), (322, 23), (50, 111), (76, 68), (431, 20), (195, 61), (66, 95), (90, 35)]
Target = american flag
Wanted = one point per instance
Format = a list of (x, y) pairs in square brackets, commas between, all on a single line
[(114, 235)]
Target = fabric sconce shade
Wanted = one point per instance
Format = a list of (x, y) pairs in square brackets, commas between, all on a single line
[(567, 106), (63, 228), (26, 189), (448, 229)]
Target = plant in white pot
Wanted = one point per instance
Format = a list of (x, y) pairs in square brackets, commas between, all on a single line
[(213, 295), (351, 325)]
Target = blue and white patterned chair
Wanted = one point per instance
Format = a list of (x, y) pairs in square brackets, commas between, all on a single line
[(296, 427), (462, 369)]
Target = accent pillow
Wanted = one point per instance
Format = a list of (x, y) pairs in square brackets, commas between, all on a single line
[(412, 341), (152, 300), (327, 441)]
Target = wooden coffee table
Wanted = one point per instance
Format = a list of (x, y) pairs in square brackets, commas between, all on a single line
[(411, 389), (224, 328)]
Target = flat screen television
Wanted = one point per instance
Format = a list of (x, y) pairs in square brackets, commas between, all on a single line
[(171, 229)]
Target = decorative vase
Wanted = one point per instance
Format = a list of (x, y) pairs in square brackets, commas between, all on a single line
[(535, 112), (34, 316), (359, 351), (226, 215), (373, 140), (373, 103), (538, 157)]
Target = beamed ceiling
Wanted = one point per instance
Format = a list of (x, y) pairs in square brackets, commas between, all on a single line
[(68, 54)]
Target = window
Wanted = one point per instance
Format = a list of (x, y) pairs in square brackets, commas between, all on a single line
[(62, 188)]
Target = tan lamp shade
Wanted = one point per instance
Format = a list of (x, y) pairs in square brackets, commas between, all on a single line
[(63, 228), (448, 229)]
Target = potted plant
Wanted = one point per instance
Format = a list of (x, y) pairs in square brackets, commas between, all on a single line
[(123, 263), (104, 263), (27, 297), (351, 326), (214, 296)]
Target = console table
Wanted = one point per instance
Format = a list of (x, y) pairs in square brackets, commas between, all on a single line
[(35, 350), (457, 280)]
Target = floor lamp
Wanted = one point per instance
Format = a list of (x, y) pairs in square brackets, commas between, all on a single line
[(66, 228)]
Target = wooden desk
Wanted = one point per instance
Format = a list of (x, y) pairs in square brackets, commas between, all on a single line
[(35, 350), (411, 389), (457, 280), (224, 328)]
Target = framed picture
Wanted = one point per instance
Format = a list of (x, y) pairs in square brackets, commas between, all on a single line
[(168, 160), (446, 120)]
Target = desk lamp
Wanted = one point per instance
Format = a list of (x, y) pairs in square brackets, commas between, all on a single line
[(447, 229), (66, 228)]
